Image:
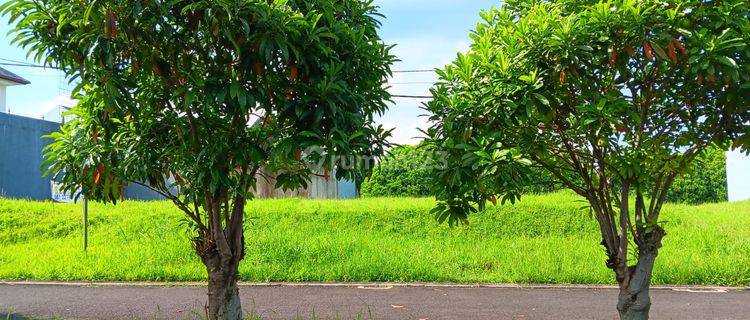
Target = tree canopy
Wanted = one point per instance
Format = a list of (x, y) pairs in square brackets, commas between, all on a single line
[(628, 89), (201, 89)]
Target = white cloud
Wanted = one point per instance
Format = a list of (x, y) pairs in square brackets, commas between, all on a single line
[(49, 109), (405, 131), (59, 101)]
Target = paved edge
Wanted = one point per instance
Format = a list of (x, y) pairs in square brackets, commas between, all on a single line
[(368, 285)]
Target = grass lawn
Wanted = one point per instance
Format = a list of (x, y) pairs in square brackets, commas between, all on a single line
[(544, 239)]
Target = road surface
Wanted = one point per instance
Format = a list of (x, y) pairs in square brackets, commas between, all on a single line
[(370, 301)]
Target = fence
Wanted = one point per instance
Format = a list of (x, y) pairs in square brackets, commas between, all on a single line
[(318, 188)]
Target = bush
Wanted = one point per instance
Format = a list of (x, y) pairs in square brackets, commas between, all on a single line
[(705, 181), (402, 173)]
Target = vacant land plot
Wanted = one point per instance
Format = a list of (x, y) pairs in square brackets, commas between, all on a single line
[(544, 239)]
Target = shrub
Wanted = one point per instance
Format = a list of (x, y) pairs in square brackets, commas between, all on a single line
[(705, 181), (402, 173)]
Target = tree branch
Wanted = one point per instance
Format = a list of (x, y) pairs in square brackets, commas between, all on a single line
[(176, 200)]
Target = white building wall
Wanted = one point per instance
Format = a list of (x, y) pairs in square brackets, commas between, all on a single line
[(3, 107), (738, 176)]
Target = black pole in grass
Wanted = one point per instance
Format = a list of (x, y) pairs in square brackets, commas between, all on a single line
[(85, 224)]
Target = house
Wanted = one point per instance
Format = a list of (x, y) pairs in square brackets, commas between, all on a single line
[(8, 79)]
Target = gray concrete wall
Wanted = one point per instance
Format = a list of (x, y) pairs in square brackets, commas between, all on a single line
[(21, 147), (138, 192)]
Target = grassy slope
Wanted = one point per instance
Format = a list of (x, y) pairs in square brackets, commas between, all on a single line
[(544, 239)]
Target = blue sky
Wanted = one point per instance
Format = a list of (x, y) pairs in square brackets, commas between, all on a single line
[(428, 34)]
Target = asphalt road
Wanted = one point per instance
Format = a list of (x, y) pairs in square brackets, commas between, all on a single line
[(43, 301)]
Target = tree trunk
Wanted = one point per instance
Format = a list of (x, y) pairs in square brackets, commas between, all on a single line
[(221, 248), (634, 301), (223, 294)]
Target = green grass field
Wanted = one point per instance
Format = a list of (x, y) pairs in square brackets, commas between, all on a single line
[(544, 239)]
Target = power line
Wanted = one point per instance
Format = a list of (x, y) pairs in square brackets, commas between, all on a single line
[(17, 63), (14, 61), (27, 65), (412, 82), (414, 71), (410, 96)]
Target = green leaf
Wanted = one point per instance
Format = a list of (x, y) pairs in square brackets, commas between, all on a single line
[(728, 61), (541, 99), (659, 51), (233, 89), (684, 32)]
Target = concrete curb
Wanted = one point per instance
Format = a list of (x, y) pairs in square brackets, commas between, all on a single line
[(373, 285)]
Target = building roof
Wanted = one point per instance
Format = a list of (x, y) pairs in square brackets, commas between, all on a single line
[(12, 77)]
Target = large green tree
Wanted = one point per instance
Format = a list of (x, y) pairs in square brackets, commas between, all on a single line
[(614, 98), (198, 99)]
